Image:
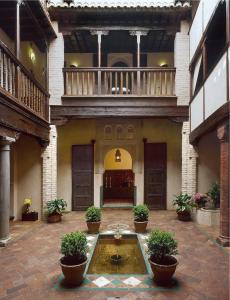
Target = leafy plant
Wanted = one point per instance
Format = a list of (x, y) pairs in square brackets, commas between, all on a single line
[(93, 214), (214, 194), (184, 203), (141, 213), (199, 200), (56, 206), (74, 244), (161, 244)]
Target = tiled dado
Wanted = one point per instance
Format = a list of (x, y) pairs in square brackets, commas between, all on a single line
[(105, 282)]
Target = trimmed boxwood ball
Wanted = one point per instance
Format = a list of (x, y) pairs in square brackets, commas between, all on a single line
[(93, 214), (141, 213), (74, 244), (160, 245)]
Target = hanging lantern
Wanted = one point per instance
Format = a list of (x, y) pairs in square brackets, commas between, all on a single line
[(117, 156)]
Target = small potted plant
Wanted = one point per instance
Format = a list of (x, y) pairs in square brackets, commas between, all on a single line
[(184, 205), (141, 216), (161, 246), (199, 200), (74, 248), (93, 219), (55, 209), (214, 196), (28, 215)]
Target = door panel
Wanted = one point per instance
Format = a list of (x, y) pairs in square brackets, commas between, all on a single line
[(82, 176), (155, 168)]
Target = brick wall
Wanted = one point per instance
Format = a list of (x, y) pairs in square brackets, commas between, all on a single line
[(49, 168), (181, 61), (189, 163), (56, 63)]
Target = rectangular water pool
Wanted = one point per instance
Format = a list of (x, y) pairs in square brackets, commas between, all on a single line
[(128, 248)]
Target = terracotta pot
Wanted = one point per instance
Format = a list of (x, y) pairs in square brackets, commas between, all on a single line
[(164, 272), (184, 215), (74, 274), (54, 218), (140, 227), (93, 227)]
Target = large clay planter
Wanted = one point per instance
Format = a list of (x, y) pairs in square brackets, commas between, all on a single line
[(184, 215), (74, 274), (164, 272), (93, 227), (54, 218), (140, 227)]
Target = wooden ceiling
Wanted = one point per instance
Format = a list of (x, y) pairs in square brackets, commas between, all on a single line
[(116, 41), (75, 23), (34, 24)]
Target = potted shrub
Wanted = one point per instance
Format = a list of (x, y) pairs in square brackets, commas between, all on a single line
[(184, 205), (28, 215), (74, 248), (55, 209), (141, 216), (93, 219), (214, 197), (161, 247)]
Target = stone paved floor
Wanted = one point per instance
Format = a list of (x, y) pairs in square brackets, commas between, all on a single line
[(29, 265)]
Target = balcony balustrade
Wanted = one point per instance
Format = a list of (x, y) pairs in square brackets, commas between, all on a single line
[(119, 82), (17, 81)]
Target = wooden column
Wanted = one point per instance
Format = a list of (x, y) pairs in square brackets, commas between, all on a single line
[(17, 48), (223, 136), (99, 34)]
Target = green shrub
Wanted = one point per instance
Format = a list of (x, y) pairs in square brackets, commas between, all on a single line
[(141, 213), (56, 206), (184, 203), (214, 194), (161, 244), (93, 214), (74, 244)]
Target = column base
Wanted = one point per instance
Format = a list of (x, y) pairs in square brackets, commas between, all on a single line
[(4, 242), (223, 241)]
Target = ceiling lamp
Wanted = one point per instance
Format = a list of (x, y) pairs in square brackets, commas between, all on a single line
[(117, 156)]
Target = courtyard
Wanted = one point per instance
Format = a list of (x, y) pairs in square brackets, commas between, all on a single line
[(30, 267)]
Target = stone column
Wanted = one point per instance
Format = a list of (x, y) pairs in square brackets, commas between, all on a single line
[(189, 163), (49, 168), (223, 135), (4, 188)]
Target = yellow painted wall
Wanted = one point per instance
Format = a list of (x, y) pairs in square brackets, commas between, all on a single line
[(79, 59), (83, 131), (124, 164), (27, 174), (157, 58)]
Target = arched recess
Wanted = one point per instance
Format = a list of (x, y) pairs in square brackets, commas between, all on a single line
[(118, 178)]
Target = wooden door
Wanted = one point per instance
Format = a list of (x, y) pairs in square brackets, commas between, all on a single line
[(155, 168), (82, 176)]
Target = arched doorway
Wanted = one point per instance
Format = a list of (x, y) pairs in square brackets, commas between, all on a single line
[(118, 178)]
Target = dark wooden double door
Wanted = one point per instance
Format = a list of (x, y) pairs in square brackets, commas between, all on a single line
[(82, 176), (155, 170)]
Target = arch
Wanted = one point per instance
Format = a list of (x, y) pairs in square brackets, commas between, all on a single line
[(120, 64), (126, 162)]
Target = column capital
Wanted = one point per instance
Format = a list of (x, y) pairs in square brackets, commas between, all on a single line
[(223, 132), (6, 140), (138, 32), (99, 32)]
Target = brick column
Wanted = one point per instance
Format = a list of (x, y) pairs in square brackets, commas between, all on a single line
[(189, 163), (49, 168), (181, 63), (223, 136)]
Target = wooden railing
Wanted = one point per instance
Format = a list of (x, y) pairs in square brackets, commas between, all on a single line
[(119, 81), (16, 80)]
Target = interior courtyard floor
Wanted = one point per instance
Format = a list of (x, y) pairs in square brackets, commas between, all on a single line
[(30, 268)]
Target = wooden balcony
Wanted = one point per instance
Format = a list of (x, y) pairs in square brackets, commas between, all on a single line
[(119, 82), (118, 92), (21, 96)]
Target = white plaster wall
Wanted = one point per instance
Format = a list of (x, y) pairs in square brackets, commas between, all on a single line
[(27, 174), (197, 111), (208, 161)]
